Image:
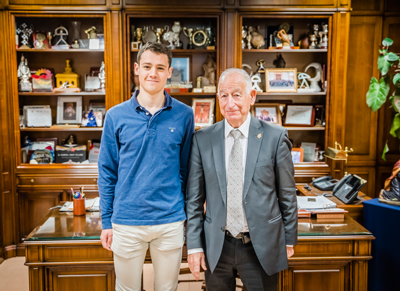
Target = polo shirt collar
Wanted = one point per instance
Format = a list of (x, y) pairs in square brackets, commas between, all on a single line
[(136, 105)]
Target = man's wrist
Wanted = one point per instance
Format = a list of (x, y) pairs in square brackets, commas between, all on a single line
[(194, 251)]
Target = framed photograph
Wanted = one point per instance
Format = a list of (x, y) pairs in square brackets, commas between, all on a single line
[(181, 69), (300, 115), (281, 80), (69, 110), (309, 151), (297, 155), (203, 111), (268, 112)]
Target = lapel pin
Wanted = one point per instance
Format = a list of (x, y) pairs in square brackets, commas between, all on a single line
[(259, 135)]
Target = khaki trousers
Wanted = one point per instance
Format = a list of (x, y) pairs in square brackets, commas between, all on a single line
[(130, 244)]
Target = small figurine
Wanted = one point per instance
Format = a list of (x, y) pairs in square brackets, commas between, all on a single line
[(284, 38), (279, 62), (255, 80), (102, 77)]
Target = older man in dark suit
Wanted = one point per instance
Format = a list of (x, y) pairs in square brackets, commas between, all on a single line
[(242, 167)]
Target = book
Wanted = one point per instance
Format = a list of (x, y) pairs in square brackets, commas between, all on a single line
[(317, 202)]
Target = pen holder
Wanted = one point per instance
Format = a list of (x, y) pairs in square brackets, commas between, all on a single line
[(79, 206)]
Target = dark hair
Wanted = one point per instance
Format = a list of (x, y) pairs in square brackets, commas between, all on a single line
[(157, 48)]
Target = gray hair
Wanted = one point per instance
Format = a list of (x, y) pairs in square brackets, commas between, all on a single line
[(243, 74)]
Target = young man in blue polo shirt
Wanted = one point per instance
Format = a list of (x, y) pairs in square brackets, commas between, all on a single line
[(142, 176)]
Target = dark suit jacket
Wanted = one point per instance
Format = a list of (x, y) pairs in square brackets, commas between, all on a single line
[(269, 194)]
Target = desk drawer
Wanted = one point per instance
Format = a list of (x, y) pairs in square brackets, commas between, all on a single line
[(57, 180), (323, 248), (76, 253)]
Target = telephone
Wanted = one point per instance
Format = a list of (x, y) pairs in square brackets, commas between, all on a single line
[(347, 188), (325, 183)]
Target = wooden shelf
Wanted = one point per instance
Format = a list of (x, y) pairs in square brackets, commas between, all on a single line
[(60, 50), (191, 51), (62, 128), (284, 51), (292, 94), (59, 94), (305, 128), (193, 94)]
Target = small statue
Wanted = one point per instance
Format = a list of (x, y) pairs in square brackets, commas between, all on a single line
[(102, 76), (25, 85), (248, 38), (255, 80), (318, 74), (244, 34), (391, 191), (61, 31), (209, 68), (70, 141), (257, 40), (279, 62), (284, 38), (91, 32), (21, 64)]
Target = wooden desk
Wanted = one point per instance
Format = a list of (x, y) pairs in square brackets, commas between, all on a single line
[(64, 253), (355, 209)]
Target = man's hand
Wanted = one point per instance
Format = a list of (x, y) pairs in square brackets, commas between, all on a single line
[(289, 251), (106, 238), (195, 260)]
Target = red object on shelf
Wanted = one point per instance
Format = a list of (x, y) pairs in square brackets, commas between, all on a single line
[(176, 90)]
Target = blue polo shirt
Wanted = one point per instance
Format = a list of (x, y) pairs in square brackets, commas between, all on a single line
[(143, 163)]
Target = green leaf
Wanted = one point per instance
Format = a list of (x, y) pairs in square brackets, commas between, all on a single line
[(377, 93), (394, 131), (391, 57), (387, 42), (396, 79), (383, 65), (385, 150)]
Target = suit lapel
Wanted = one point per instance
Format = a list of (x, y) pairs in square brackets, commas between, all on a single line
[(218, 148), (253, 148)]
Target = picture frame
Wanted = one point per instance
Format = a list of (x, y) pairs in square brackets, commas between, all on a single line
[(281, 80), (300, 115), (181, 69), (309, 151), (203, 109), (268, 112), (297, 155), (69, 110)]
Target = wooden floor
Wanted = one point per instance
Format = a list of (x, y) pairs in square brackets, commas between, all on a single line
[(14, 277)]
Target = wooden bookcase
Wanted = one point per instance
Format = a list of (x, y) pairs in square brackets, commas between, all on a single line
[(294, 58), (197, 56)]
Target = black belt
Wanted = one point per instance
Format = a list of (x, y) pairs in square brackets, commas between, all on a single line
[(244, 236)]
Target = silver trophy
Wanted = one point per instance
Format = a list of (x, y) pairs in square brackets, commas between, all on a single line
[(26, 33), (324, 40), (244, 34), (177, 28), (25, 73), (102, 77), (170, 37)]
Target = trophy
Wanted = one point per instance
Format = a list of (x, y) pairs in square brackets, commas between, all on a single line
[(176, 28), (135, 45), (248, 38), (26, 33), (76, 27), (209, 39), (257, 39), (316, 33), (159, 32), (25, 73), (313, 40), (324, 39), (170, 37), (244, 34), (91, 32), (102, 77), (49, 37), (189, 33), (149, 35), (133, 33), (199, 37)]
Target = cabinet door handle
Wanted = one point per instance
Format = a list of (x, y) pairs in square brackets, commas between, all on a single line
[(32, 181)]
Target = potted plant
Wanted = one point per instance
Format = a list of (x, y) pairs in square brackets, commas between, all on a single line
[(388, 66)]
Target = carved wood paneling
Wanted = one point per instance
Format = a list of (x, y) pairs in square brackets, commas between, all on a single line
[(392, 6), (58, 3), (284, 3), (361, 121), (391, 29), (174, 3), (369, 7), (336, 118), (367, 173)]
